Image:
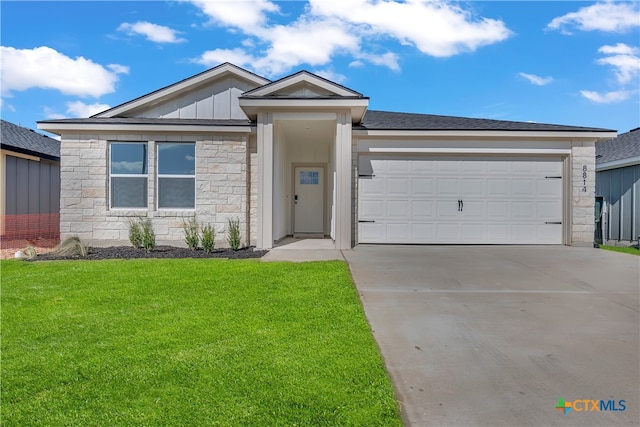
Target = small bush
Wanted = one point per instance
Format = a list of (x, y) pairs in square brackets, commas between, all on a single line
[(72, 246), (233, 234), (148, 236), (135, 233), (191, 233), (208, 238)]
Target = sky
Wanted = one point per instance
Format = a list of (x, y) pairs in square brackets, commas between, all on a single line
[(570, 62)]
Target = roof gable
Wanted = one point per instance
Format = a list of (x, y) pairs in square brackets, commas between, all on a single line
[(27, 141), (302, 84), (167, 101)]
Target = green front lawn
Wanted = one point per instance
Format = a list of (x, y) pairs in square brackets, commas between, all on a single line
[(626, 250), (188, 342)]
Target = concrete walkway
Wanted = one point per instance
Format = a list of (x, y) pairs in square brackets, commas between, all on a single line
[(495, 335), (303, 250)]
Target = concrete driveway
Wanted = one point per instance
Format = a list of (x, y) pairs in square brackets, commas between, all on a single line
[(495, 335)]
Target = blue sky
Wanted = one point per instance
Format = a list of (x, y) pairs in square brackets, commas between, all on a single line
[(574, 63)]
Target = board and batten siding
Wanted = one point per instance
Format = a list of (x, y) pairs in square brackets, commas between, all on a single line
[(32, 187), (215, 101), (621, 190)]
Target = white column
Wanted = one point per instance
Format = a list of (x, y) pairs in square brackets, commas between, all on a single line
[(265, 181), (343, 181)]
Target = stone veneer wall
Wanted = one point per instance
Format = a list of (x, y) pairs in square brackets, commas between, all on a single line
[(221, 189), (583, 177)]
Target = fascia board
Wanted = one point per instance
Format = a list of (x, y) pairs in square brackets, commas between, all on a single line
[(485, 133), (58, 128), (615, 164)]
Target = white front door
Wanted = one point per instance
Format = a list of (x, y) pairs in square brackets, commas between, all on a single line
[(308, 200)]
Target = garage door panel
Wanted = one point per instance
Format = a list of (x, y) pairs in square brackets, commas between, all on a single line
[(474, 209), (505, 200), (422, 232), (522, 187), (474, 232), (448, 187), (549, 188), (398, 187), (398, 209), (549, 211), (422, 187), (372, 209), (523, 210), (422, 209), (372, 187)]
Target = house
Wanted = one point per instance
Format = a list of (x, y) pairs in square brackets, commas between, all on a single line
[(303, 156), (29, 184), (618, 181)]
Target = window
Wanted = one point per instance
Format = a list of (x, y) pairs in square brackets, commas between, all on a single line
[(128, 175), (176, 175)]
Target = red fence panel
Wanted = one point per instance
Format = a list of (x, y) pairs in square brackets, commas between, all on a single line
[(41, 230)]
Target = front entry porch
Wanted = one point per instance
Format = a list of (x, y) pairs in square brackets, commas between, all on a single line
[(304, 178)]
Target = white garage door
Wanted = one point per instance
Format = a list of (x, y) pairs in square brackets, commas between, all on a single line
[(458, 200)]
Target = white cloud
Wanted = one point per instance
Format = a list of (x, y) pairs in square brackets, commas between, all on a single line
[(80, 109), (537, 80), (356, 64), (436, 28), (619, 49), (389, 60), (153, 32), (607, 97), (624, 60), (5, 106), (46, 68), (331, 74), (328, 28), (626, 66), (76, 109), (607, 16), (247, 15), (118, 69), (235, 56)]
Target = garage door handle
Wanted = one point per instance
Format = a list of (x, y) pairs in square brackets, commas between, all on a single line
[(366, 176), (460, 205), (554, 177), (553, 222), (365, 221)]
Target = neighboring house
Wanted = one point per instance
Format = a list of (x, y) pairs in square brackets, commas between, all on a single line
[(303, 156), (29, 184), (618, 181)]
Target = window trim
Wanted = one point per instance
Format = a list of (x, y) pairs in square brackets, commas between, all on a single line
[(158, 175), (127, 175)]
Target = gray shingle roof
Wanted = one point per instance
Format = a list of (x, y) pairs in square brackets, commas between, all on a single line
[(624, 146), (28, 141), (386, 120)]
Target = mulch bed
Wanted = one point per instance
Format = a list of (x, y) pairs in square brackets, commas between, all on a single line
[(129, 252)]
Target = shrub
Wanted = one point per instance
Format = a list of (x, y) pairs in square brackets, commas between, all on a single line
[(71, 246), (233, 234), (191, 233), (135, 233), (208, 236), (148, 236)]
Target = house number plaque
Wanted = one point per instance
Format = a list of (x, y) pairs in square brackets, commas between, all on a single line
[(584, 178)]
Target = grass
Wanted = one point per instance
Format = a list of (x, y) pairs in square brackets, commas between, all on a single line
[(626, 250), (188, 342)]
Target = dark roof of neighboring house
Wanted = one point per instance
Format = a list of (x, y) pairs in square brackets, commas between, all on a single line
[(386, 120), (624, 146), (26, 141)]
